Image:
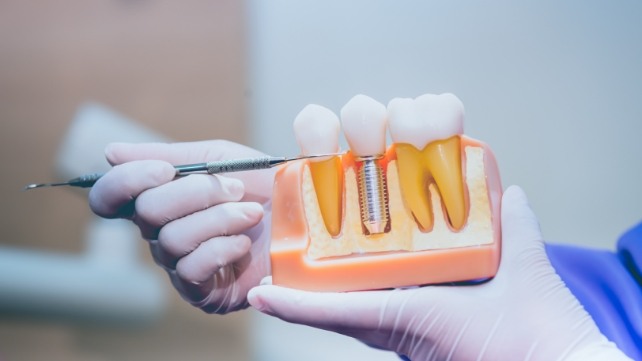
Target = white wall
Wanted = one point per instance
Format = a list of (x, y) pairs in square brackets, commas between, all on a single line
[(555, 88)]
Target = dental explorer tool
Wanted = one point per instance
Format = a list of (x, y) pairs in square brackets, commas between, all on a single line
[(216, 167)]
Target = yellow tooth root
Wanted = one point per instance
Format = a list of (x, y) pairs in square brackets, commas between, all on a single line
[(413, 183), (443, 158), (327, 177)]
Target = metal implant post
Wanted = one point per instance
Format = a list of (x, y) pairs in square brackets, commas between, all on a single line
[(373, 195)]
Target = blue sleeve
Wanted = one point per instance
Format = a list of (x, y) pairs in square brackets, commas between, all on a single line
[(608, 285)]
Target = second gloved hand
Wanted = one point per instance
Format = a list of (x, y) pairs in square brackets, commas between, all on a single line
[(210, 233), (524, 313)]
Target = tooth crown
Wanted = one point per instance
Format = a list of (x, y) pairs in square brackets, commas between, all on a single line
[(364, 125), (316, 129), (425, 119)]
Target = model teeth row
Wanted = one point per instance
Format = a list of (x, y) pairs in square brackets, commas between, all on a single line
[(425, 131)]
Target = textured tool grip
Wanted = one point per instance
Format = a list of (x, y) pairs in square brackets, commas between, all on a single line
[(85, 181), (237, 165)]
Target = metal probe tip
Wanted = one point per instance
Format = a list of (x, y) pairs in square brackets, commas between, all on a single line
[(42, 185), (315, 156), (32, 186)]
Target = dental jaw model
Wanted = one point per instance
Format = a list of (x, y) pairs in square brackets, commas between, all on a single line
[(425, 210)]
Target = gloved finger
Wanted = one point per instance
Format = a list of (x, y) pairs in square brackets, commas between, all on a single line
[(341, 312), (257, 183), (182, 236), (197, 271), (178, 153), (522, 242), (519, 224), (161, 205), (114, 194)]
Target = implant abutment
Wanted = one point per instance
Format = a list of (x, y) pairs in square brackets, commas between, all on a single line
[(373, 195)]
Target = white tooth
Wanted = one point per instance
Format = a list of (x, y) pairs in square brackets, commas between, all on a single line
[(364, 125), (405, 124), (427, 118), (316, 129)]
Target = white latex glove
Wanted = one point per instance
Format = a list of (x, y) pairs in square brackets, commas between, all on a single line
[(524, 313), (210, 233)]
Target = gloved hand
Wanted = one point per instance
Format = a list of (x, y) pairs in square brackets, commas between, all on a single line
[(524, 313), (210, 233)]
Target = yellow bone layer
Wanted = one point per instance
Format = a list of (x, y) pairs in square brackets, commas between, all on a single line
[(404, 234)]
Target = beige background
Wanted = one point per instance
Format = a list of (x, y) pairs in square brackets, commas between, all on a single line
[(176, 67)]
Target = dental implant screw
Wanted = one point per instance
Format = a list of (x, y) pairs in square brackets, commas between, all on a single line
[(373, 195)]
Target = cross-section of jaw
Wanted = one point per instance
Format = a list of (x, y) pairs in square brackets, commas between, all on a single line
[(437, 192), (426, 132), (316, 130)]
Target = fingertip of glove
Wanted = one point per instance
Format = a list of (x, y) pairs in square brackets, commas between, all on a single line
[(156, 172), (518, 219), (95, 204), (515, 193), (256, 295), (234, 187), (514, 198), (254, 213), (255, 299), (113, 151)]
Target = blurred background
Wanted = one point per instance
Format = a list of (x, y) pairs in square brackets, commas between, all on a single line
[(554, 88), (174, 68)]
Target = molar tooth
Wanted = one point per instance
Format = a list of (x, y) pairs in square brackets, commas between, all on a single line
[(317, 132), (364, 125), (408, 132), (431, 124), (443, 114)]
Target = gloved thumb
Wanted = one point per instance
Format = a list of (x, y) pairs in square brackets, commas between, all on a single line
[(339, 312), (520, 228), (178, 153)]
